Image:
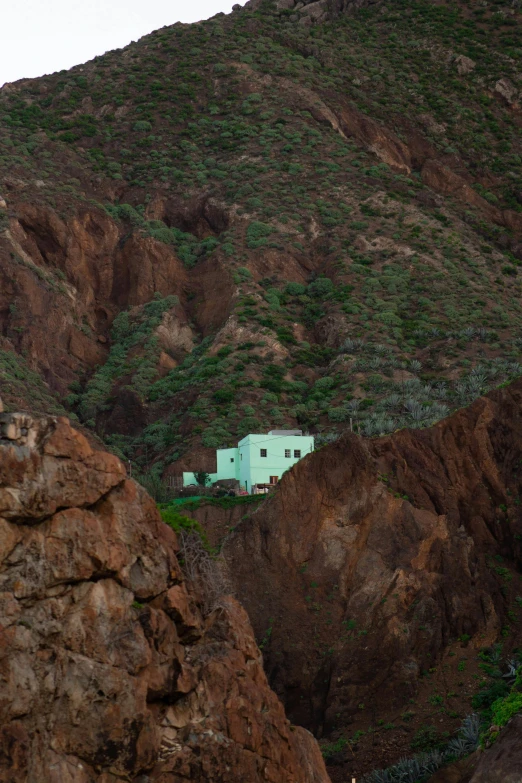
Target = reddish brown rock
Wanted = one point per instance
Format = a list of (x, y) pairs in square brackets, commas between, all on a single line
[(502, 763), (459, 772), (379, 139), (374, 556), (109, 671), (69, 279)]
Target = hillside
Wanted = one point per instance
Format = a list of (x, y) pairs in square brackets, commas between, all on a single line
[(291, 215)]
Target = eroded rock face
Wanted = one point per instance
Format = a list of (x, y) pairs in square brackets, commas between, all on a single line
[(108, 670), (374, 555), (502, 763)]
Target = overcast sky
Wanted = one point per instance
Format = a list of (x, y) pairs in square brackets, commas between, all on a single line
[(43, 36)]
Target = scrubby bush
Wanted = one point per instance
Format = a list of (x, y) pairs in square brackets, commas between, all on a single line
[(320, 288), (142, 126), (295, 289), (258, 233)]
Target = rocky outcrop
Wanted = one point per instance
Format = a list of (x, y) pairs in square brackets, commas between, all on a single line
[(71, 276), (374, 555), (109, 671), (313, 11), (500, 763)]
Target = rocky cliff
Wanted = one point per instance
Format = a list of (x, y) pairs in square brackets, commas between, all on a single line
[(375, 557), (109, 670)]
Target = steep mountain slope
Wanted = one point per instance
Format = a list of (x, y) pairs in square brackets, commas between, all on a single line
[(110, 667), (332, 191), (380, 569)]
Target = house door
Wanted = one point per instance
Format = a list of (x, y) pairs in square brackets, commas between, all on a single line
[(274, 479)]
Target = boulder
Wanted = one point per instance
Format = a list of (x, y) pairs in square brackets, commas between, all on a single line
[(464, 65)]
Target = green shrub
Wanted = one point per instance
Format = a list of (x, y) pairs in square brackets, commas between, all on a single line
[(504, 708), (258, 233), (321, 288), (142, 125), (487, 697), (180, 523), (295, 289)]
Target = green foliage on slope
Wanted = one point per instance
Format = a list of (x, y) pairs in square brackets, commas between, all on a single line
[(380, 302)]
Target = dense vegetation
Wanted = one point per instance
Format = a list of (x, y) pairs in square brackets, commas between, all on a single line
[(361, 295)]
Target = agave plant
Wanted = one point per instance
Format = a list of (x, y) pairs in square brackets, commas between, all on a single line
[(470, 730), (415, 365), (417, 411), (479, 374), (458, 747), (461, 389), (369, 428), (495, 654), (513, 666), (375, 363), (385, 424), (411, 404), (515, 369), (411, 770), (391, 402), (440, 411), (412, 384), (348, 346), (323, 438)]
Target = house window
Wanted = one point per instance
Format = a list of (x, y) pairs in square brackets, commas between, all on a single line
[(231, 459), (288, 453), (297, 453), (263, 452), (274, 479)]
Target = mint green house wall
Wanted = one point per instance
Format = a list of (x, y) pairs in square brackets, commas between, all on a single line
[(227, 464), (246, 464), (227, 467), (255, 469)]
